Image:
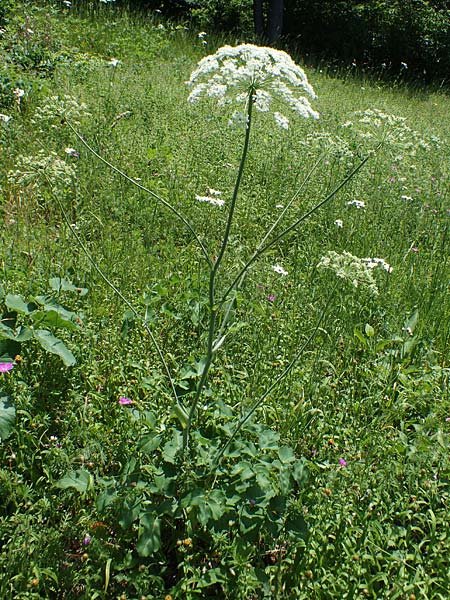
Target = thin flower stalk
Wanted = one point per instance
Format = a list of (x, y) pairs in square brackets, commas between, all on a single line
[(213, 309)]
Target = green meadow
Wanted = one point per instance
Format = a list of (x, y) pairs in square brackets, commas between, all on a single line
[(224, 352)]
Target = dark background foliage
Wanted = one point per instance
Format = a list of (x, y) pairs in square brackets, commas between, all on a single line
[(381, 35), (378, 33), (384, 35)]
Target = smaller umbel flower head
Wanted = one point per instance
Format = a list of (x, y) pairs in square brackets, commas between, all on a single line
[(270, 75)]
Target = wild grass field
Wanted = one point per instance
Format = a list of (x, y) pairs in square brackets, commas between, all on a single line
[(206, 406)]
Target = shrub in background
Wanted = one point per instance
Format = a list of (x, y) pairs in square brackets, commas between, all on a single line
[(5, 7), (412, 36)]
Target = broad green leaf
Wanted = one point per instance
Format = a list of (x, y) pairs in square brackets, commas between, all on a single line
[(6, 332), (21, 334), (64, 285), (54, 345), (299, 472), (286, 454), (295, 525), (53, 318), (149, 442), (212, 577), (268, 439), (106, 498), (7, 417), (172, 448), (193, 498), (149, 540), (128, 323), (80, 480), (49, 304), (17, 303), (131, 508)]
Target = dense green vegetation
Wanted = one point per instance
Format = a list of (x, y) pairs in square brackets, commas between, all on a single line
[(318, 458), (388, 38)]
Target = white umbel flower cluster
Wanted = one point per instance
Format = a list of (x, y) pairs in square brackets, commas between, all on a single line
[(233, 72), (358, 271)]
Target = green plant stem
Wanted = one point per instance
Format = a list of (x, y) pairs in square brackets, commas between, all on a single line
[(213, 310), (151, 192), (286, 371)]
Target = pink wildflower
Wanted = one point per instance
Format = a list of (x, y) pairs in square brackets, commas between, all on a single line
[(123, 400), (6, 366), (342, 462)]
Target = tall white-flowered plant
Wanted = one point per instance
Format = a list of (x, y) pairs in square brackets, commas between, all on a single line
[(247, 79), (270, 76)]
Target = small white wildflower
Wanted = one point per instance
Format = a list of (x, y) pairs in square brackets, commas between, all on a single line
[(404, 65), (281, 120), (202, 34), (347, 124), (279, 269), (375, 262), (409, 198), (211, 200), (262, 100), (71, 151), (279, 206), (18, 93), (67, 3), (356, 203), (212, 192), (239, 120), (339, 223), (4, 118), (114, 62)]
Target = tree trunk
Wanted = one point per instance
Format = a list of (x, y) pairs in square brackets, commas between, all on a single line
[(275, 21), (271, 28), (258, 18)]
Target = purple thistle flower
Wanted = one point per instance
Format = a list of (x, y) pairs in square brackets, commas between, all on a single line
[(87, 540), (342, 462), (4, 367), (123, 401), (271, 298)]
